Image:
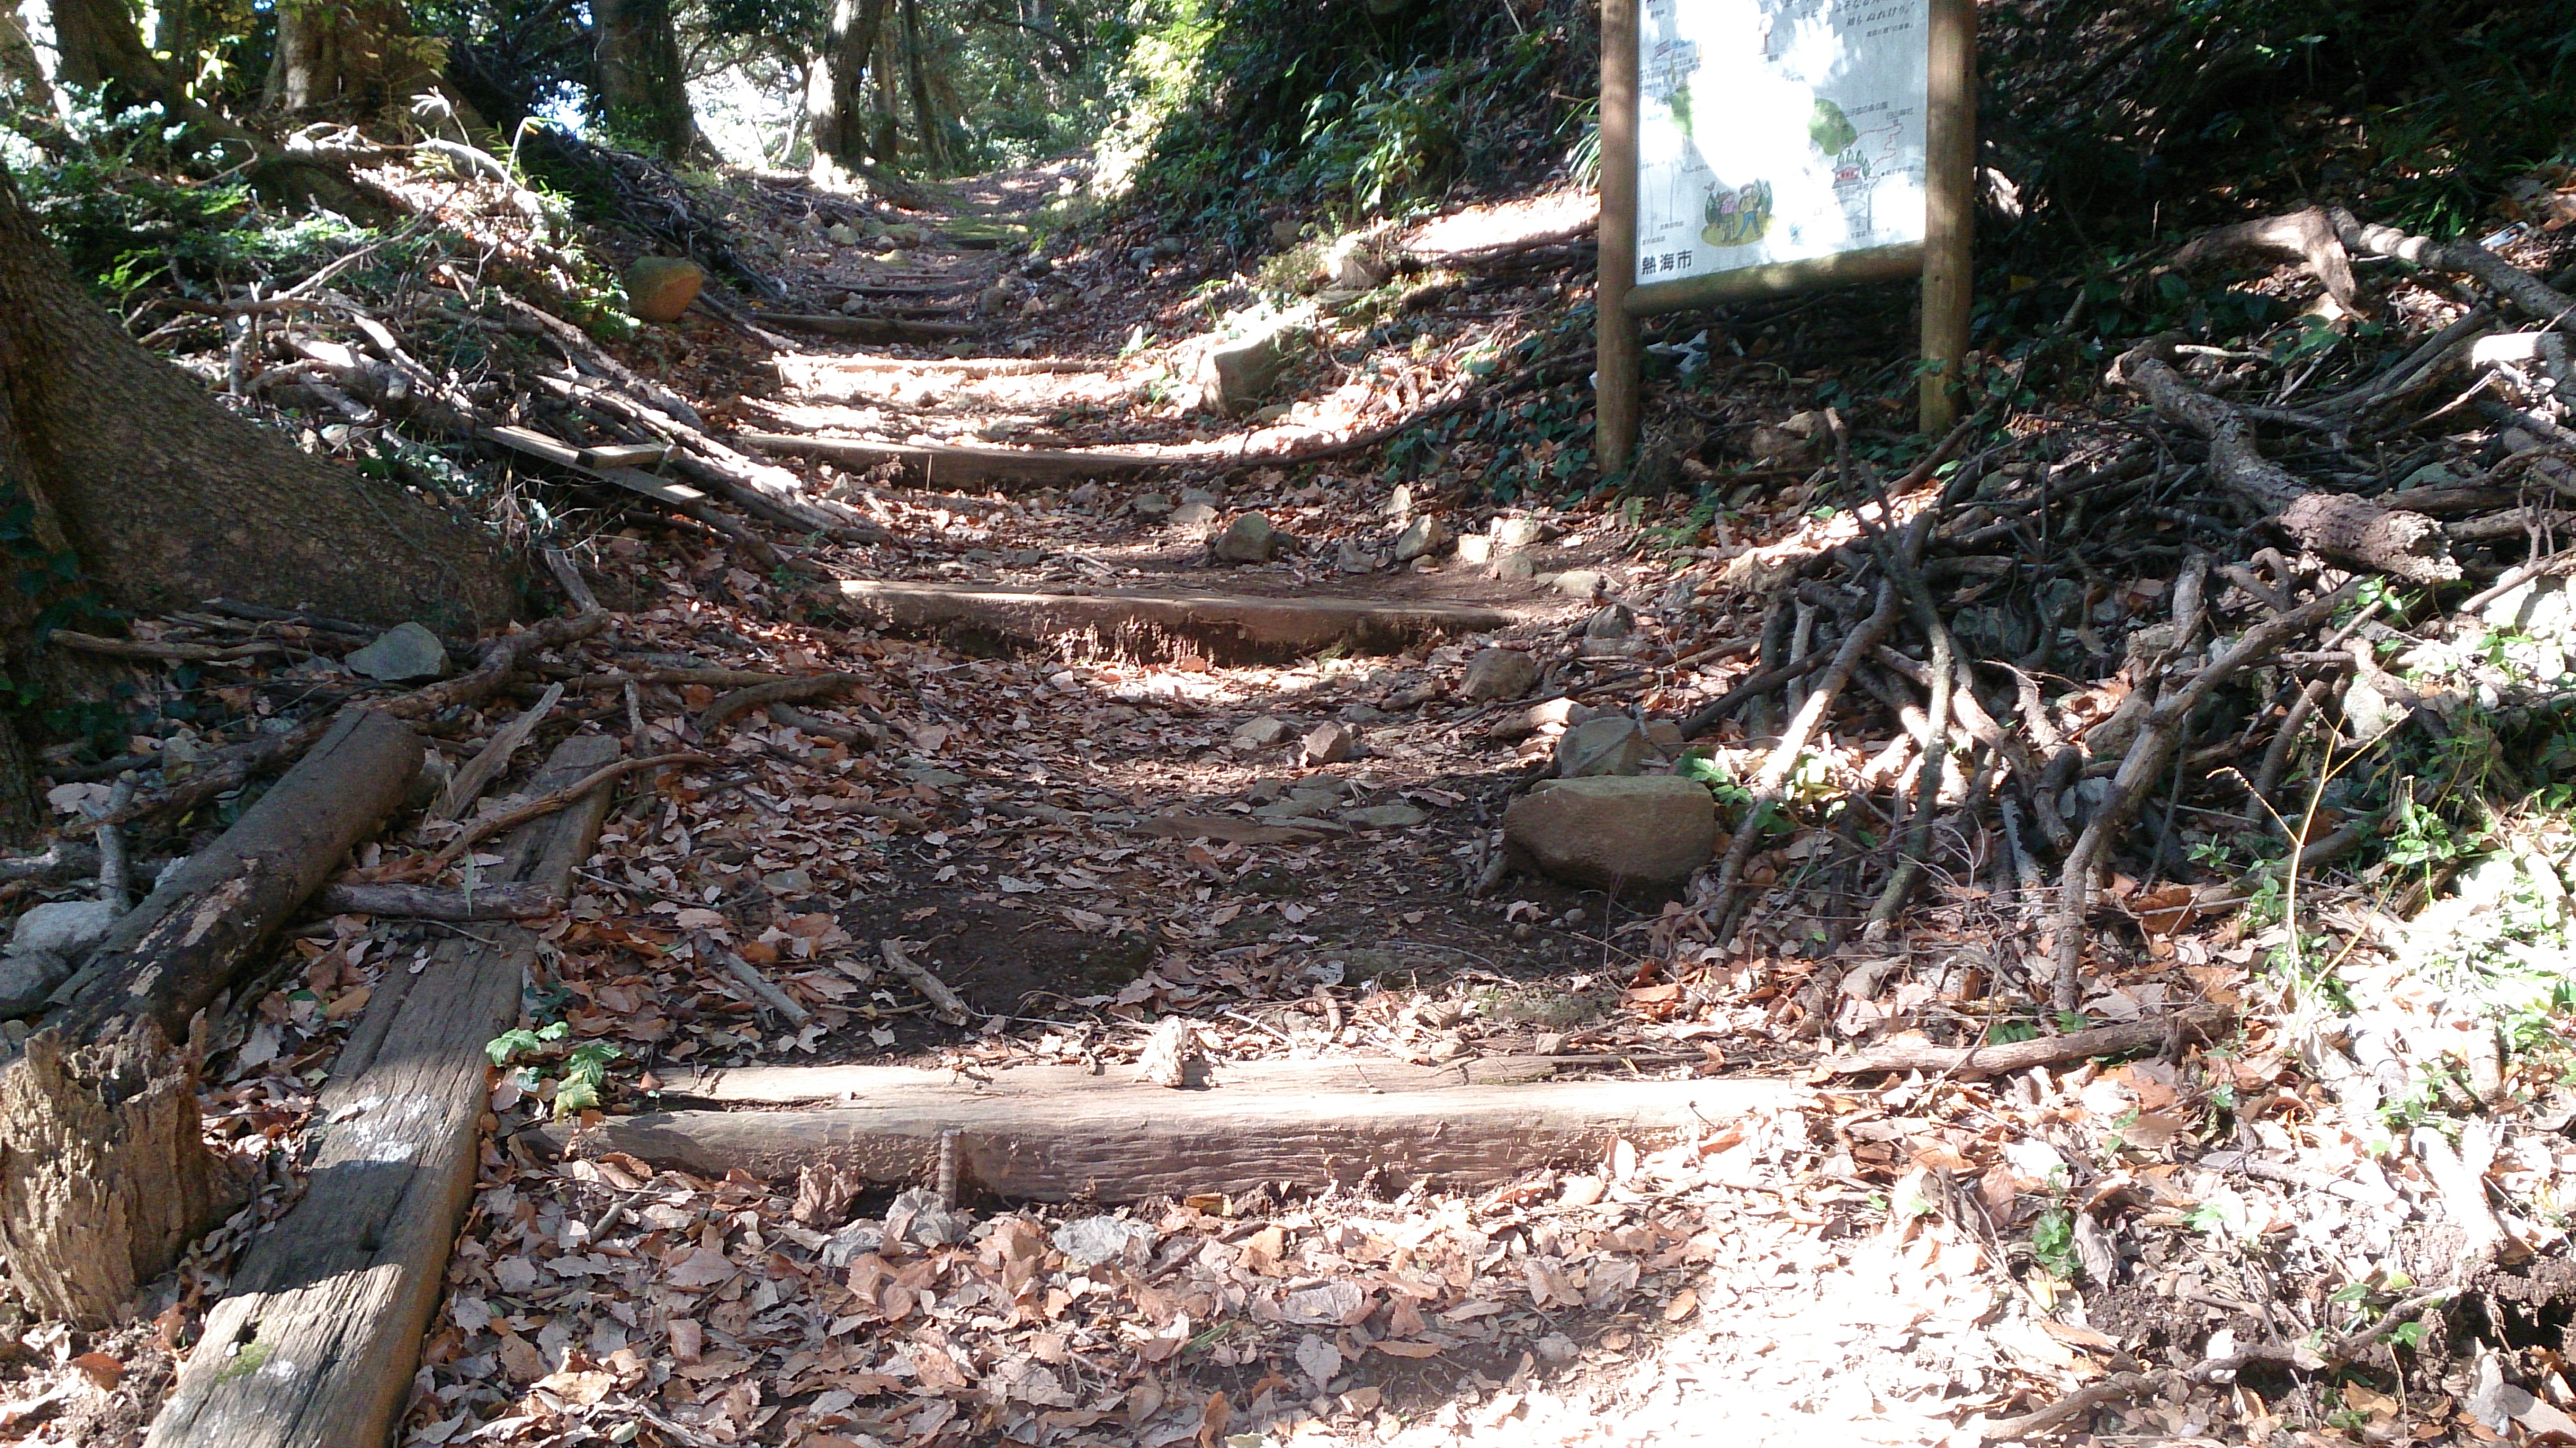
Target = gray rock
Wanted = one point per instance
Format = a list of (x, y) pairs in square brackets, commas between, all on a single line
[(915, 1215), (1498, 674), (1553, 714), (27, 977), (1331, 744), (1248, 539), (1614, 621), (1577, 582), (996, 299), (1265, 732), (843, 234), (1354, 265), (1152, 505), (1607, 833), (1615, 745), (404, 652), (1241, 374), (68, 928), (1510, 533), (1516, 568), (1384, 817), (1399, 503), (1199, 495), (1354, 557), (1423, 538), (1475, 549), (1193, 515)]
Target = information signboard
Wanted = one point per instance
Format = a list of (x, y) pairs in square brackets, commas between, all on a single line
[(1772, 131), (1755, 148)]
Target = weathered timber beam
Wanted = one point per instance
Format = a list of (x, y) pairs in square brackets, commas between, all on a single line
[(1144, 1141), (315, 1344)]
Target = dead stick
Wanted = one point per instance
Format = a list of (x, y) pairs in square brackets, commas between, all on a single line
[(546, 804), (776, 691), (1970, 1063), (761, 985), (944, 1002), (1706, 716), (1774, 778), (2144, 764), (422, 902)]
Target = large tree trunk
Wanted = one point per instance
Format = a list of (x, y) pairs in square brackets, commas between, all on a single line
[(925, 117), (22, 77), (836, 98), (348, 58), (100, 46), (160, 498), (641, 93)]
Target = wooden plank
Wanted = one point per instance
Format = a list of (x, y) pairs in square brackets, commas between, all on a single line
[(1779, 279), (952, 464), (1618, 355), (888, 1085), (625, 455), (1228, 628), (864, 329), (315, 1345), (1136, 1141), (563, 454)]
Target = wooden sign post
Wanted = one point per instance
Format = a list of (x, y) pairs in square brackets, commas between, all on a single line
[(1757, 148)]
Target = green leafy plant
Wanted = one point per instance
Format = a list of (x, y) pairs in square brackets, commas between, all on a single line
[(2052, 1243), (581, 1072)]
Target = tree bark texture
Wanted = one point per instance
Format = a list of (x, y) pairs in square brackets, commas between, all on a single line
[(99, 45), (837, 105), (104, 1173), (2349, 530), (179, 949), (349, 58), (640, 85), (165, 499)]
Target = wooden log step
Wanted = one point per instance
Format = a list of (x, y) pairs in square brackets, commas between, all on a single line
[(864, 329), (891, 1085), (1123, 1141), (808, 373), (315, 1344), (1226, 628), (960, 464)]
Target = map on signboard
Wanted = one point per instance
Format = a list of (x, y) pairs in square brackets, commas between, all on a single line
[(1777, 130)]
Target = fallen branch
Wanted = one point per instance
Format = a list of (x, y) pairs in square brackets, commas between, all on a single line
[(944, 1002), (487, 764), (2144, 764), (1973, 1063), (2347, 529), (546, 804), (799, 690), (760, 985)]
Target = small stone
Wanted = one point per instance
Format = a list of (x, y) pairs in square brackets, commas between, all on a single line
[(1353, 556), (1354, 265), (1553, 714), (995, 299), (1399, 504), (68, 928), (660, 288), (1605, 833), (1665, 735), (1266, 732), (1331, 744), (1240, 374), (1577, 582), (1200, 496), (27, 977), (1384, 817), (1498, 674), (1516, 568), (1475, 549), (1510, 533), (1424, 538), (1614, 621), (843, 234), (1248, 539), (404, 652), (1152, 505), (1192, 515), (1612, 746)]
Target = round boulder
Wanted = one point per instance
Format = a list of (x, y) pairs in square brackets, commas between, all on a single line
[(660, 288), (1615, 831)]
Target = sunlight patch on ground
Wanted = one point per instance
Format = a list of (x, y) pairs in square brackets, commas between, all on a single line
[(1501, 223)]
